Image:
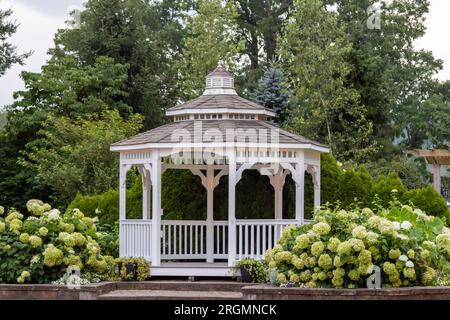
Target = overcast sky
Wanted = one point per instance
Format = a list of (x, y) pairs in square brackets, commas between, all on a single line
[(39, 20)]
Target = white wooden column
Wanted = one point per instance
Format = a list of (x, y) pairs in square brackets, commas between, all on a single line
[(123, 190), (277, 181), (122, 204), (437, 177), (299, 178), (146, 191), (231, 207), (316, 179), (314, 171), (156, 208), (210, 214)]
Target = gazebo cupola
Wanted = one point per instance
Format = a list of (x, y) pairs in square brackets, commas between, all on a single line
[(219, 81), (219, 101)]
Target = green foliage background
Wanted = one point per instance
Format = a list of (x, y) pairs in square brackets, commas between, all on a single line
[(369, 94)]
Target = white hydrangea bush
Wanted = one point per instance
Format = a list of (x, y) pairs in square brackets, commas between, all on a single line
[(40, 248), (341, 248)]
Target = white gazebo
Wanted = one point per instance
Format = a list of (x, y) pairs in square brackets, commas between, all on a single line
[(216, 134)]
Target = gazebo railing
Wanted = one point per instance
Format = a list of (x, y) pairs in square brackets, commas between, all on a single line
[(188, 240), (254, 237), (183, 239), (135, 238)]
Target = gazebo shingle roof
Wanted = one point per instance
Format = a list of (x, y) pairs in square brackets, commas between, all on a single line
[(219, 101), (163, 134)]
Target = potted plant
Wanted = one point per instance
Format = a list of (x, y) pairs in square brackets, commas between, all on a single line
[(252, 270), (132, 269)]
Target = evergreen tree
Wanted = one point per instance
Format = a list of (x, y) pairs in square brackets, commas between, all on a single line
[(270, 93)]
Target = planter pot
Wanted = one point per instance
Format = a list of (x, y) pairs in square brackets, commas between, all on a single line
[(130, 268), (245, 275)]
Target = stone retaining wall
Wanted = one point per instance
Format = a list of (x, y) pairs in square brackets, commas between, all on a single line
[(265, 292), (249, 292), (54, 292)]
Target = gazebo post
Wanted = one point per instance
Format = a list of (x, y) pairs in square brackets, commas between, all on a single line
[(231, 207), (437, 177), (210, 214), (315, 173), (146, 192), (156, 210), (317, 189), (300, 188), (122, 201), (277, 181)]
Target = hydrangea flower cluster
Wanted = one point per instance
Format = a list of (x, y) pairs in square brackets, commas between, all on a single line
[(341, 249), (48, 243)]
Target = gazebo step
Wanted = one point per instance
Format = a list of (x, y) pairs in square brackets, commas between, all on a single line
[(230, 286), (179, 294), (192, 269)]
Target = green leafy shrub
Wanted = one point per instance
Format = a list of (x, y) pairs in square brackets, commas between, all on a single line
[(139, 269), (40, 248), (383, 187), (430, 201), (256, 268), (106, 205), (341, 249), (345, 188)]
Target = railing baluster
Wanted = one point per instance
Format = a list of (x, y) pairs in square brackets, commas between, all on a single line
[(223, 239), (180, 235), (264, 244), (246, 241), (190, 239), (164, 238), (201, 240), (170, 239), (270, 236), (240, 239), (258, 241), (196, 239), (252, 241)]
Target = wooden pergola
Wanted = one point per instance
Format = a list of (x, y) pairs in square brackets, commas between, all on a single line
[(436, 158)]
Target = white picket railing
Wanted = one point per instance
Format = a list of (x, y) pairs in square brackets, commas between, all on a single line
[(182, 240), (220, 239), (135, 238), (254, 237)]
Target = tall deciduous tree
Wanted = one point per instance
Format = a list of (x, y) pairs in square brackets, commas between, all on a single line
[(270, 93), (314, 53), (391, 76), (145, 35), (260, 24), (63, 88), (73, 156), (8, 52), (212, 38)]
